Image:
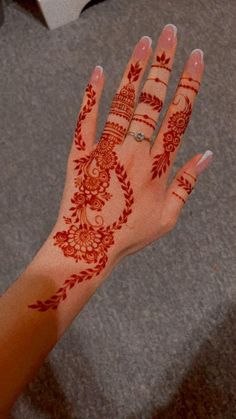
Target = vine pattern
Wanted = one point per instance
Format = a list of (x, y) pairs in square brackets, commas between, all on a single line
[(85, 239)]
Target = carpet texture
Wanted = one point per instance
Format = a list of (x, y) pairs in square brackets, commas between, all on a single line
[(158, 339)]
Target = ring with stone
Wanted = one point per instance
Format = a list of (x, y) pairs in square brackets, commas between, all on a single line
[(138, 136)]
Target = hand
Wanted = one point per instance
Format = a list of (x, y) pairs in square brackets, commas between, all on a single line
[(116, 199)]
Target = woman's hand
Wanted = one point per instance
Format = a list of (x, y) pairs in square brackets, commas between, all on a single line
[(116, 199)]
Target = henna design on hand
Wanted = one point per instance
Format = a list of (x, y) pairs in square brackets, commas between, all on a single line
[(124, 101), (85, 239), (176, 125), (79, 142), (162, 62), (185, 184), (193, 177), (152, 100), (143, 119), (179, 197)]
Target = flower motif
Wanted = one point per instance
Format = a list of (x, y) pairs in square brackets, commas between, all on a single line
[(96, 203), (84, 239), (169, 147), (69, 250), (91, 184), (178, 122), (107, 161), (107, 240), (60, 238), (78, 199), (105, 145), (169, 137), (176, 141), (104, 177)]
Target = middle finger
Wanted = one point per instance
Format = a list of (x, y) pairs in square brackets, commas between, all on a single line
[(153, 93)]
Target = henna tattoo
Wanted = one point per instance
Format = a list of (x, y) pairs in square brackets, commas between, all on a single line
[(180, 197), (143, 121), (191, 79), (85, 239), (162, 62), (157, 80), (193, 177), (185, 184), (152, 100), (176, 125), (79, 142), (124, 101), (188, 87)]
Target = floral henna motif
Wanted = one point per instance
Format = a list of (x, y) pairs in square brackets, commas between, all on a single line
[(85, 239), (103, 237), (177, 124)]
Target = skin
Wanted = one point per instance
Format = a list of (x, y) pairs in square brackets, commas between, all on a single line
[(137, 208)]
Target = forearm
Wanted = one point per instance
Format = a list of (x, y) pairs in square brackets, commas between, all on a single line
[(27, 335)]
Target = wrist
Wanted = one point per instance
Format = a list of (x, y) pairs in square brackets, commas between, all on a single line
[(66, 279)]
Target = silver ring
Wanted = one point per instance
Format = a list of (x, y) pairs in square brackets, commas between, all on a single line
[(138, 136)]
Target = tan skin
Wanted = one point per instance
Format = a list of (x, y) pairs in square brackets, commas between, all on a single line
[(28, 335)]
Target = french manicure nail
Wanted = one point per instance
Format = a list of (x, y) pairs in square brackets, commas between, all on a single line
[(168, 37), (204, 162), (142, 47), (195, 62), (96, 75)]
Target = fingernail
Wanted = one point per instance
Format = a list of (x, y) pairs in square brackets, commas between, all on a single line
[(168, 37), (142, 48), (195, 61), (96, 75), (204, 162)]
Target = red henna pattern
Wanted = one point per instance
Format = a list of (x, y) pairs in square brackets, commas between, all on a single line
[(162, 61), (191, 79), (185, 184), (157, 80), (188, 87), (79, 142), (180, 197), (144, 122), (193, 177), (124, 101), (152, 100), (177, 124), (90, 240)]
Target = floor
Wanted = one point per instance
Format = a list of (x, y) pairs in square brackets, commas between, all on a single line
[(158, 339)]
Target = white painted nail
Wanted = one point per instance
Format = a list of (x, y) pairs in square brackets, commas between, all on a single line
[(204, 162)]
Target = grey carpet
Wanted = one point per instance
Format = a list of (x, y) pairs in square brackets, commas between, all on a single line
[(158, 339)]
